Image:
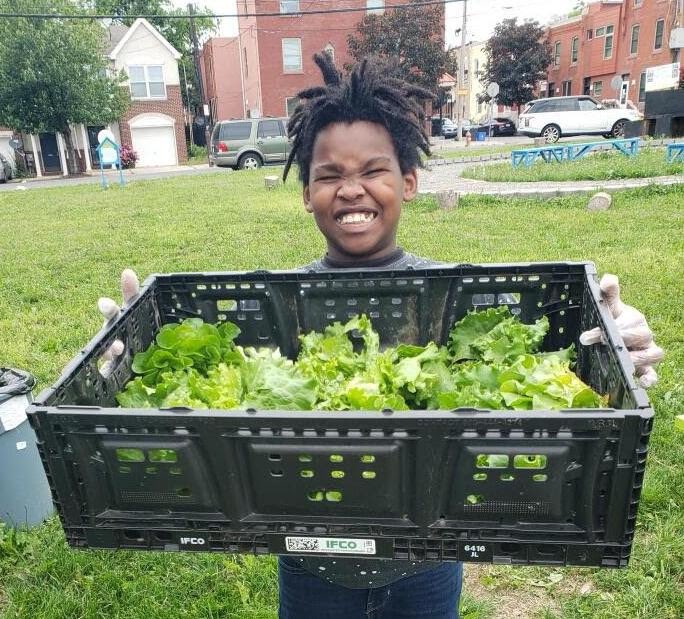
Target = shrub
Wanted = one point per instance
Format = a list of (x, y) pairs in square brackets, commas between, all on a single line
[(128, 156)]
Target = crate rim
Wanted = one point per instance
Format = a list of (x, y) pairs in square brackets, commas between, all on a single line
[(607, 324)]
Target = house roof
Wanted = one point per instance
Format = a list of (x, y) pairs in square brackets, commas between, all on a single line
[(113, 35), (143, 23)]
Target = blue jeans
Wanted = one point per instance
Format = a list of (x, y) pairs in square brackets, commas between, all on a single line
[(429, 595)]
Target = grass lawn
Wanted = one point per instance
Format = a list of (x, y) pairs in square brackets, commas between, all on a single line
[(600, 166), (471, 151), (63, 248)]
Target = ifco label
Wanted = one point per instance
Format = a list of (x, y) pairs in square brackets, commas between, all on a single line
[(334, 545), (192, 542)]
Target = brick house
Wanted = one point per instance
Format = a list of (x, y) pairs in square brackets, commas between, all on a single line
[(259, 72), (154, 124), (611, 38)]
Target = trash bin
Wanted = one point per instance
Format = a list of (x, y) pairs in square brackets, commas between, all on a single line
[(481, 136), (25, 498)]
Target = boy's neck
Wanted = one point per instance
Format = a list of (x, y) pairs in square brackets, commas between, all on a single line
[(333, 263)]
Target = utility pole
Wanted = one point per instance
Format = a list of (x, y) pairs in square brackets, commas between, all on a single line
[(461, 73)]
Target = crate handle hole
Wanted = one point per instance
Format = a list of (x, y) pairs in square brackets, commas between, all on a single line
[(306, 473), (336, 458), (184, 492), (480, 476), (540, 477), (368, 474), (226, 305), (176, 470), (316, 495), (491, 461), (367, 459), (124, 469), (130, 454), (275, 457), (276, 473), (529, 461), (337, 474), (133, 535), (151, 470), (162, 455), (506, 477), (305, 458)]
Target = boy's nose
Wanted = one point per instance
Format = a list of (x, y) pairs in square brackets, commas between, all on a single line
[(350, 189)]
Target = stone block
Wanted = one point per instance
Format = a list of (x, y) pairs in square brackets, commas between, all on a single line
[(270, 182), (447, 199), (600, 201)]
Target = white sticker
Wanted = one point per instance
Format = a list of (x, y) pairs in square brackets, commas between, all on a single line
[(13, 412), (21, 445), (335, 545)]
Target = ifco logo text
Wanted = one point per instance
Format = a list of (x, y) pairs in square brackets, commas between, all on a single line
[(342, 544), (195, 541)]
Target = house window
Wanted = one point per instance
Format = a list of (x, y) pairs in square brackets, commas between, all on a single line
[(590, 34), (598, 88), (147, 82), (608, 47), (574, 50), (642, 87), (634, 46), (290, 105), (289, 6), (567, 88), (638, 2), (600, 31), (292, 55), (660, 28), (330, 50), (556, 54), (375, 7)]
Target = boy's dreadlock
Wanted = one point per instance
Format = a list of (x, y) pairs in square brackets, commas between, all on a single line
[(369, 93)]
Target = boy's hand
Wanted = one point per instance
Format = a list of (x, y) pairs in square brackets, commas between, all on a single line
[(130, 287), (634, 330)]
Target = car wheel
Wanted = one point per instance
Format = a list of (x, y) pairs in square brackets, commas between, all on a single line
[(551, 133), (250, 161), (618, 129)]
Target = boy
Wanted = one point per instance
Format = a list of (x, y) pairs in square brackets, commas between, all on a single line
[(356, 141)]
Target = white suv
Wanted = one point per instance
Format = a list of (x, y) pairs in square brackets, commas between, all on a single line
[(563, 116)]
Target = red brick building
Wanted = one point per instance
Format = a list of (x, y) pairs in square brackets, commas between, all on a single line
[(612, 38), (271, 58)]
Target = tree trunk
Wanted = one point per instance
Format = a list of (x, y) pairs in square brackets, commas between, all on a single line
[(72, 165)]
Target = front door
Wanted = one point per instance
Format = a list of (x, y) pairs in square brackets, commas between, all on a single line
[(586, 87), (50, 152)]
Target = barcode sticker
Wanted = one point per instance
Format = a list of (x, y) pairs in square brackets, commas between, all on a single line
[(336, 545)]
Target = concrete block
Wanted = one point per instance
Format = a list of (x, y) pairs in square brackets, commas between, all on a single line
[(270, 182), (600, 201), (539, 141), (447, 199)]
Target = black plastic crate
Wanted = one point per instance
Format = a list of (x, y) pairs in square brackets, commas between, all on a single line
[(384, 484)]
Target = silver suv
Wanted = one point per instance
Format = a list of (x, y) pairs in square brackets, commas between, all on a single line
[(249, 143), (564, 116)]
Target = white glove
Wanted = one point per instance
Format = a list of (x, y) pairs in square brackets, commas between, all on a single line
[(633, 328), (130, 287)]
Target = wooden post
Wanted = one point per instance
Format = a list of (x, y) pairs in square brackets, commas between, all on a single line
[(36, 156)]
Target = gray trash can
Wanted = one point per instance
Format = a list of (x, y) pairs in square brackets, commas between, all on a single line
[(25, 498)]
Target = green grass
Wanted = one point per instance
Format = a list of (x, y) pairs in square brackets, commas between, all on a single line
[(63, 248), (472, 151), (600, 166)]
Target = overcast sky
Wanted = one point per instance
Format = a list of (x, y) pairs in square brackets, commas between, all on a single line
[(482, 15)]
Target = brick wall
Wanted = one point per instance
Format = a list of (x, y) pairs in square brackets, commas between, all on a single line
[(171, 106), (591, 64)]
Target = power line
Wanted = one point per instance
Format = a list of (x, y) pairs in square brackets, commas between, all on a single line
[(407, 5)]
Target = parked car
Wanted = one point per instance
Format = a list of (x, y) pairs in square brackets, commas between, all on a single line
[(5, 169), (555, 117), (447, 129), (249, 143), (497, 126)]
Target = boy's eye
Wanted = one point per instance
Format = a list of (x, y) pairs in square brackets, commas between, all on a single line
[(374, 172), (327, 178)]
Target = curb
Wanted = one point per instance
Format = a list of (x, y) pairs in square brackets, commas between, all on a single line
[(556, 191)]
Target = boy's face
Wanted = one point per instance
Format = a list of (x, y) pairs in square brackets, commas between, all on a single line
[(356, 190)]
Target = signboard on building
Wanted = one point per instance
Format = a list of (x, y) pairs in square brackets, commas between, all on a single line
[(662, 77)]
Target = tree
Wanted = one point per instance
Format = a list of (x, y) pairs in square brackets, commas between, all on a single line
[(175, 31), (54, 72), (517, 58), (411, 38)]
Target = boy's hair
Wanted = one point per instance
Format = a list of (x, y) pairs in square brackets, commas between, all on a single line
[(369, 93)]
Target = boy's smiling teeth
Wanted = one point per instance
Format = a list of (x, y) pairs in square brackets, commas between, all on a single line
[(355, 218)]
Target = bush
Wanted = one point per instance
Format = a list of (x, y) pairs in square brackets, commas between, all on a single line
[(128, 156), (197, 152)]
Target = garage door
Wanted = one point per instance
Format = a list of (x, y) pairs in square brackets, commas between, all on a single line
[(156, 146)]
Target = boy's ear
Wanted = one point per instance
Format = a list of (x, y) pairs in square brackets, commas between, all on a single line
[(307, 199), (410, 184)]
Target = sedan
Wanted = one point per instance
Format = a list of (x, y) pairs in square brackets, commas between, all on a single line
[(499, 126), (5, 170)]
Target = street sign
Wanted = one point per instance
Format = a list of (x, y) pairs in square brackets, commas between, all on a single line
[(616, 82), (108, 152), (662, 77), (493, 89), (105, 134)]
